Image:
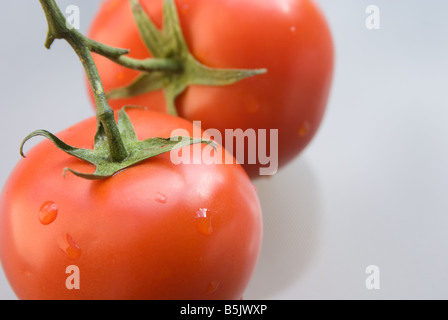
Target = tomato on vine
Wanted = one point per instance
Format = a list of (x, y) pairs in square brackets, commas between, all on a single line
[(244, 64), (129, 221), (153, 231)]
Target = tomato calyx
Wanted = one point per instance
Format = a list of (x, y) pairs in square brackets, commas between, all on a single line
[(167, 45), (139, 150), (116, 145)]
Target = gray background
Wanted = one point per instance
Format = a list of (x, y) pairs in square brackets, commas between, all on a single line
[(369, 190)]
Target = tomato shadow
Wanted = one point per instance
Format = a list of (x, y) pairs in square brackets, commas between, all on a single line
[(291, 213)]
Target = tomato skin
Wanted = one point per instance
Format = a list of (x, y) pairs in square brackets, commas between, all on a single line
[(290, 38), (153, 231)]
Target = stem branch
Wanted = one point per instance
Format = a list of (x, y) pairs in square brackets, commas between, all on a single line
[(146, 65), (58, 29)]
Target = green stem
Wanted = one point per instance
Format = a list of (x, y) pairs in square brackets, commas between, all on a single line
[(58, 29), (172, 67), (146, 65), (178, 67), (116, 144), (150, 65)]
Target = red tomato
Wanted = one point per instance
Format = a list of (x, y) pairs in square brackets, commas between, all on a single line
[(153, 231), (290, 38)]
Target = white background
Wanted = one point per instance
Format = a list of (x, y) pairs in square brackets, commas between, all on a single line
[(372, 187)]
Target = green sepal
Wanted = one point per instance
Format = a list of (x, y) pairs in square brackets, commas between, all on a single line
[(145, 82), (99, 157), (169, 43), (149, 33)]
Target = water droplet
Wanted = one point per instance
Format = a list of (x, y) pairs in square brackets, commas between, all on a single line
[(161, 198), (212, 287), (69, 246), (304, 129), (185, 8), (204, 222), (251, 104), (120, 75), (48, 212), (293, 29)]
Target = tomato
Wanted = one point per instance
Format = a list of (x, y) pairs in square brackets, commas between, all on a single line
[(290, 38), (152, 231)]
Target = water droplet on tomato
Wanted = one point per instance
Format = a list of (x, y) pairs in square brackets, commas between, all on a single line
[(212, 287), (304, 129), (204, 222), (185, 8), (120, 75), (70, 247), (251, 104), (161, 198), (293, 29), (48, 212)]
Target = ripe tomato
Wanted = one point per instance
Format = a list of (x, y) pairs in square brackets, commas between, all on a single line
[(153, 231), (290, 38)]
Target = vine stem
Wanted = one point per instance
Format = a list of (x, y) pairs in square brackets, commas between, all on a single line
[(145, 65), (116, 144), (58, 28)]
